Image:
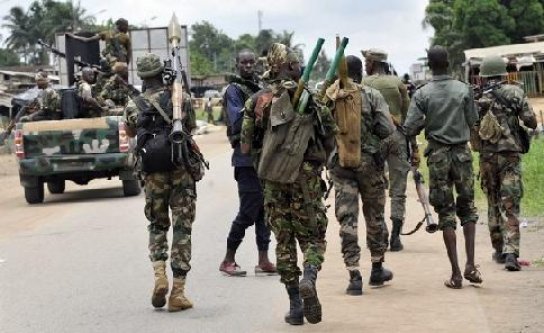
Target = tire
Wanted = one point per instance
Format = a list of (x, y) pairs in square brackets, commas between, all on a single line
[(56, 187), (131, 188), (34, 195)]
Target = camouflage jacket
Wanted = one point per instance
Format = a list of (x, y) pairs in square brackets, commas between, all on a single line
[(115, 91), (394, 92), (257, 118), (162, 97), (50, 100), (445, 108), (509, 105), (118, 46)]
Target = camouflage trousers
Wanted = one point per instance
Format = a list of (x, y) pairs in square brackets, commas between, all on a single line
[(174, 190), (451, 166), (368, 181), (395, 152), (295, 212), (502, 183)]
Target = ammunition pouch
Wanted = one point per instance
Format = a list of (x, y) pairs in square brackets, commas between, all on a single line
[(156, 153)]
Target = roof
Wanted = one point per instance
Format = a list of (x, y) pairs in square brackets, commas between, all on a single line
[(29, 75), (511, 50)]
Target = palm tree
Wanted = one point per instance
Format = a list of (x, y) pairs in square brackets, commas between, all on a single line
[(18, 22)]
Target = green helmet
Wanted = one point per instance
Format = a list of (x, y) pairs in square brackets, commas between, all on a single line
[(148, 65), (493, 66)]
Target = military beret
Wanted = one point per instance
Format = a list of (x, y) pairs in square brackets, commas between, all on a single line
[(375, 55)]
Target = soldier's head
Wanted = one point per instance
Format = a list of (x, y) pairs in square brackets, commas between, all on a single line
[(149, 67), (121, 69), (122, 25), (375, 61), (406, 77), (493, 67), (87, 75), (355, 68), (42, 81), (283, 62), (245, 63), (437, 57)]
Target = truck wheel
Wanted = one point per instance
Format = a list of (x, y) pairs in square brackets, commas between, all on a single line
[(131, 188), (56, 187), (34, 195)]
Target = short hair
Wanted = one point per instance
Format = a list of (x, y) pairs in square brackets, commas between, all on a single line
[(355, 66), (437, 55), (246, 50)]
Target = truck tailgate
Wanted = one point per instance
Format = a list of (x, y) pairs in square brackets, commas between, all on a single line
[(71, 137)]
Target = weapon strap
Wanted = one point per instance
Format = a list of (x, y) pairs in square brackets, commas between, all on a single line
[(161, 111)]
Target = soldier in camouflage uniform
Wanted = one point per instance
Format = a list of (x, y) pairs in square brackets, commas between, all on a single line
[(445, 108), (368, 180), (175, 188), (395, 147), (295, 211), (116, 89), (502, 106), (49, 102), (90, 106), (118, 46)]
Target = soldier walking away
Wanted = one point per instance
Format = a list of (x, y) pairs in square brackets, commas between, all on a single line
[(166, 185), (293, 188), (49, 102), (118, 46), (396, 148), (365, 177), (250, 192), (445, 108), (502, 106)]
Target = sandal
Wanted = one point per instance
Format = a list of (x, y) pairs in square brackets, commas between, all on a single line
[(473, 275), (454, 283)]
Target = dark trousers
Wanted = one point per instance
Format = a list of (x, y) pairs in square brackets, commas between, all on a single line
[(251, 210)]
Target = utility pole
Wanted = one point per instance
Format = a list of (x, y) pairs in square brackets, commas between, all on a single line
[(260, 20)]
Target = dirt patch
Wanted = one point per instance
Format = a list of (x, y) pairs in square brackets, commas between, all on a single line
[(8, 165)]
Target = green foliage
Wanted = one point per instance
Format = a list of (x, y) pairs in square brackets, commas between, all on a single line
[(42, 20), (212, 51), (465, 24), (8, 58)]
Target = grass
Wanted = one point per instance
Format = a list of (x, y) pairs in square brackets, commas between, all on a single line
[(533, 178), (201, 115)]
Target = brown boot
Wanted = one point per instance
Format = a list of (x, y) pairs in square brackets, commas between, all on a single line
[(177, 300), (158, 299)]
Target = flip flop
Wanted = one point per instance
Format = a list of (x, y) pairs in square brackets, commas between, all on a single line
[(474, 275), (454, 283)]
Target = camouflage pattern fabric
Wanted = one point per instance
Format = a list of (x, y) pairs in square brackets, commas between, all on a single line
[(101, 80), (294, 212), (111, 52), (395, 151), (508, 118), (502, 184), (292, 218), (149, 65), (90, 109), (451, 166), (115, 91), (50, 100), (368, 181), (175, 190), (279, 54)]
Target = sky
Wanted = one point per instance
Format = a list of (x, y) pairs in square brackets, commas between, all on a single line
[(391, 25)]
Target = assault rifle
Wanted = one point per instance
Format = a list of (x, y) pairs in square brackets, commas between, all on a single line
[(32, 105), (184, 150), (61, 54), (432, 226)]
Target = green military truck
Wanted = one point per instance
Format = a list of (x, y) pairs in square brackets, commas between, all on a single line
[(79, 150)]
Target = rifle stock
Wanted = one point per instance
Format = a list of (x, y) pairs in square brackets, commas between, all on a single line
[(431, 226)]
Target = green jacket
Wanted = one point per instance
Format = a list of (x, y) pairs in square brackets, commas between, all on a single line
[(393, 91), (445, 108)]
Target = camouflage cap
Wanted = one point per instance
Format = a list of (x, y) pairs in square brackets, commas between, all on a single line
[(148, 65), (279, 54), (41, 76), (375, 55)]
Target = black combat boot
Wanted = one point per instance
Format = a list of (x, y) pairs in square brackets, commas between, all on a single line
[(295, 315), (395, 245), (308, 292), (379, 275), (498, 257), (511, 262), (355, 287)]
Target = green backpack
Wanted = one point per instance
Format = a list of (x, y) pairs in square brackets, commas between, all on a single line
[(285, 140)]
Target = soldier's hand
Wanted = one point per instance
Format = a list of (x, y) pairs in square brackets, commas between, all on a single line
[(415, 159)]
